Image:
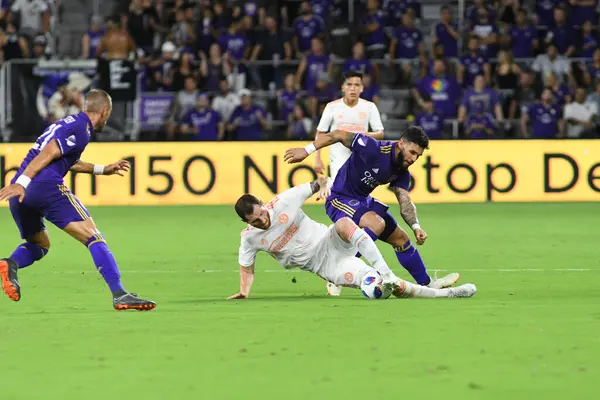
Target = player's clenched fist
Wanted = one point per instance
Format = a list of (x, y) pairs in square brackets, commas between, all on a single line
[(293, 156), (420, 236), (117, 168)]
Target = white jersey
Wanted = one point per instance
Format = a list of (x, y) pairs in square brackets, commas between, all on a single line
[(339, 116), (292, 239)]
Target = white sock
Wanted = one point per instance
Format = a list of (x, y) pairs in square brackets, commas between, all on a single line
[(367, 247), (408, 289)]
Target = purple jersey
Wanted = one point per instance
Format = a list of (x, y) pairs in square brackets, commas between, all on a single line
[(473, 14), (444, 92), (488, 98), (206, 123), (522, 40), (306, 31), (315, 66), (485, 119), (594, 72), (560, 95), (432, 124), (545, 10), (443, 36), (377, 37), (483, 31), (473, 67), (408, 43), (563, 37), (581, 14), (235, 45), (72, 134), (590, 44), (287, 100), (321, 8), (544, 120), (249, 127), (369, 92), (363, 65), (95, 38), (371, 164)]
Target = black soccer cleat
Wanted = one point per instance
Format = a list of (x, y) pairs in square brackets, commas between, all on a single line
[(8, 275), (130, 302)]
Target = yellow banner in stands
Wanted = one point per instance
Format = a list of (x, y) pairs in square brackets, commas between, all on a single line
[(218, 173)]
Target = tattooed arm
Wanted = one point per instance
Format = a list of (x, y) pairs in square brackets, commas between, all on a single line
[(408, 211)]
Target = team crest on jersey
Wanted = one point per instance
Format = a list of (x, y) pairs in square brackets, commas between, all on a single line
[(71, 140), (283, 219), (362, 116), (349, 277), (354, 203), (263, 242)]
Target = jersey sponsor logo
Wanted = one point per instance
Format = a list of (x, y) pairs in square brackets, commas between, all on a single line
[(283, 219), (376, 170), (361, 142), (279, 243), (369, 180)]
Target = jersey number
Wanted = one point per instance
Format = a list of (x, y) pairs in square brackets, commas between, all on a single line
[(45, 137)]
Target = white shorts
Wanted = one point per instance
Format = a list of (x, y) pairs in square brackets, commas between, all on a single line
[(335, 261)]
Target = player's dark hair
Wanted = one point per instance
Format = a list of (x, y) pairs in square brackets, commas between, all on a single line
[(415, 134), (245, 205), (353, 74)]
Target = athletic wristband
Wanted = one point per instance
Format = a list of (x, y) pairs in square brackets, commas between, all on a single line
[(98, 169), (23, 181), (415, 226), (310, 148)]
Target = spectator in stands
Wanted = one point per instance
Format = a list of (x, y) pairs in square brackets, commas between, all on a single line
[(222, 17), (4, 9), (321, 8), (117, 43), (476, 11), (312, 65), (472, 64), (371, 30), (444, 90), (300, 126), (560, 91), (590, 42), (254, 9), (40, 46), (583, 11), (202, 123), (544, 11), (306, 28), (322, 94), (486, 30), (143, 23), (523, 37), (480, 95), (581, 116), (287, 97), (92, 38), (14, 46), (182, 32), (248, 120), (34, 17), (184, 101), (546, 119), (213, 69), (446, 33), (187, 68), (552, 62), (524, 96), (370, 89), (594, 97), (591, 71), (358, 62), (507, 12), (480, 124), (562, 34), (431, 121), (507, 72), (271, 45), (236, 49), (226, 101), (204, 31), (163, 69), (407, 46)]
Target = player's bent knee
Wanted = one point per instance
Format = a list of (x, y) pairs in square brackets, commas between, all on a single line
[(345, 228), (83, 231), (372, 221), (41, 239)]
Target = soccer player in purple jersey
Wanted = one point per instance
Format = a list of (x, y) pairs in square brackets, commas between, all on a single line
[(374, 163), (37, 191)]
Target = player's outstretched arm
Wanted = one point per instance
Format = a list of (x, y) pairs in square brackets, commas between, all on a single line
[(296, 155), (117, 168), (408, 211), (246, 280), (48, 154)]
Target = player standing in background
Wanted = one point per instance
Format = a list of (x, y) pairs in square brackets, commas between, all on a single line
[(37, 191), (373, 164), (281, 229), (350, 114)]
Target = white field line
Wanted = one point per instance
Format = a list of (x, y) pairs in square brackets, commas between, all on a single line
[(201, 271)]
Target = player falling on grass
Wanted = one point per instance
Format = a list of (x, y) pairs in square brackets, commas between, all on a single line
[(37, 191), (372, 164), (281, 229), (350, 114)]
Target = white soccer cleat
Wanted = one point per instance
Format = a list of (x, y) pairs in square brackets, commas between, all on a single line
[(444, 282), (466, 290), (333, 290)]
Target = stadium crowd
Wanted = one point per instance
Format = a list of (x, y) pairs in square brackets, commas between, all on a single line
[(255, 69)]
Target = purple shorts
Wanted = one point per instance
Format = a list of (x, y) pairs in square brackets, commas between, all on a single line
[(50, 200), (338, 207)]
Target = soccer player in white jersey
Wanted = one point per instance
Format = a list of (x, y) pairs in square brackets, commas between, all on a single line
[(349, 114), (281, 229)]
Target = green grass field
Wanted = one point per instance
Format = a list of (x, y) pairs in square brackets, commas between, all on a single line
[(531, 332)]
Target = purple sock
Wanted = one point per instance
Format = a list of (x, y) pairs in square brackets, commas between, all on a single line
[(373, 236), (411, 260), (106, 264), (28, 253)]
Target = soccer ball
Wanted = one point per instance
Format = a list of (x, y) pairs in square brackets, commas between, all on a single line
[(372, 286)]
